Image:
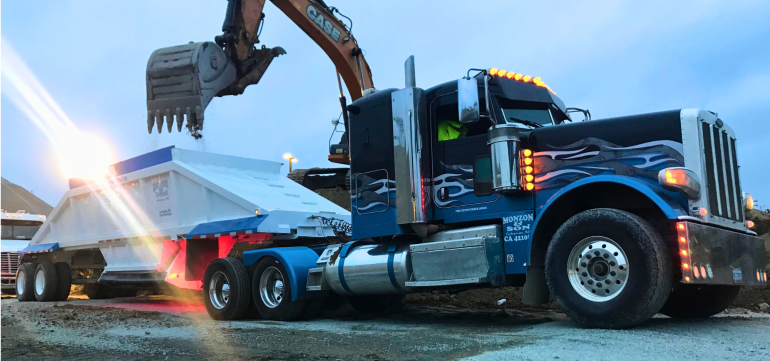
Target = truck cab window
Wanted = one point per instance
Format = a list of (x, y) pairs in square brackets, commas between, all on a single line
[(527, 112)]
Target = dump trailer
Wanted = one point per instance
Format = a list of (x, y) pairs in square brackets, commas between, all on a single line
[(164, 217)]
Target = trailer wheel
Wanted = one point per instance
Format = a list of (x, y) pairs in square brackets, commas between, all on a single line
[(63, 280), (608, 268), (271, 292), (25, 282), (377, 304), (45, 282), (226, 289), (699, 301)]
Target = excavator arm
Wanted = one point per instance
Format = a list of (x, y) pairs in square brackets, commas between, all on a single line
[(182, 80)]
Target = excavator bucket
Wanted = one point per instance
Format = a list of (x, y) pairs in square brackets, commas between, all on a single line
[(182, 80)]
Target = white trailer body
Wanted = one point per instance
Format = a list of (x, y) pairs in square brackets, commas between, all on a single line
[(161, 197)]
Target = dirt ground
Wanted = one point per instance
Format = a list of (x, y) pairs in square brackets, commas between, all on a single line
[(174, 328)]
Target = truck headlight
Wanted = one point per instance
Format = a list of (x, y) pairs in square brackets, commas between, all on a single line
[(748, 201), (680, 180)]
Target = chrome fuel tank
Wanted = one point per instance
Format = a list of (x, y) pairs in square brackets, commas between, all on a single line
[(363, 269)]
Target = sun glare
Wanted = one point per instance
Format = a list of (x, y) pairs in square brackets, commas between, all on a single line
[(85, 155), (78, 154)]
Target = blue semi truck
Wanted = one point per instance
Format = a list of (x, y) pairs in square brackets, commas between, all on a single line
[(616, 219)]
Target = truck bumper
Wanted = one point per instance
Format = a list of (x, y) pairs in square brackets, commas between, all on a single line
[(712, 255), (8, 282)]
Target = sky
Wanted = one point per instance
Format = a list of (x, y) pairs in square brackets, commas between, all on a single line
[(613, 57)]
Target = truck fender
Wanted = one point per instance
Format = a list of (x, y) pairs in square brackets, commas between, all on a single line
[(668, 206), (297, 261)]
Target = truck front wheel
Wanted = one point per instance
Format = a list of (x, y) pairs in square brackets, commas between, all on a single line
[(608, 268), (226, 289), (271, 292), (699, 301)]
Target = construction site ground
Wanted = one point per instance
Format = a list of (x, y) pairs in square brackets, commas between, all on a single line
[(432, 326)]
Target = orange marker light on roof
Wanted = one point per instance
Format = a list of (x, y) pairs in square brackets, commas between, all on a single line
[(526, 78), (493, 71), (537, 80), (510, 74), (501, 72), (518, 76), (527, 152)]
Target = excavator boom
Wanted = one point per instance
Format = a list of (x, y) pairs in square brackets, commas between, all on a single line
[(182, 80)]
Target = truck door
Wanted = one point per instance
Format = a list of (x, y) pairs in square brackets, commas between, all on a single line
[(455, 149)]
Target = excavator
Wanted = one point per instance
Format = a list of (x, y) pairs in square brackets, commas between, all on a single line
[(182, 80)]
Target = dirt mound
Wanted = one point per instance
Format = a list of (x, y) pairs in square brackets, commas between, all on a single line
[(337, 195)]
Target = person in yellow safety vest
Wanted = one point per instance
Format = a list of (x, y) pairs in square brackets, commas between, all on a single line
[(451, 129)]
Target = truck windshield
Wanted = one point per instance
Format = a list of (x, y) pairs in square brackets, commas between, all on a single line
[(20, 232), (539, 116)]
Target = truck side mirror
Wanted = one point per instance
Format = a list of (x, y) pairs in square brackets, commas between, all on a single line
[(468, 100)]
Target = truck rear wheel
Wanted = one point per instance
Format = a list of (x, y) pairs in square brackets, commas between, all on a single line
[(608, 268), (45, 282), (25, 282), (271, 292), (377, 304), (699, 301), (226, 289), (63, 280)]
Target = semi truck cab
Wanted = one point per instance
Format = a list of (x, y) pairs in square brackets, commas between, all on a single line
[(641, 212)]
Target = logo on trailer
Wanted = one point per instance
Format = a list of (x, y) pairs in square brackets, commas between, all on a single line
[(323, 23), (161, 190)]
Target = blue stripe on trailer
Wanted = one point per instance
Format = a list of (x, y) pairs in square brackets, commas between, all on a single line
[(391, 273), (146, 160), (39, 248), (229, 225)]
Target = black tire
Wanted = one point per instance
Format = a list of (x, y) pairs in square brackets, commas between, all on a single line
[(49, 283), (378, 304), (25, 290), (231, 272), (283, 309), (649, 271), (98, 291), (63, 280), (699, 301), (311, 309)]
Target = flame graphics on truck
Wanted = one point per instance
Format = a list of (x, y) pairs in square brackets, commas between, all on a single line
[(594, 156)]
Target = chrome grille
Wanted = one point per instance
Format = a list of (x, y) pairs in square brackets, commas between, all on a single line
[(9, 262), (721, 165)]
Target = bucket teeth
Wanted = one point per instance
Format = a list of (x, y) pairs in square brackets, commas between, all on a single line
[(150, 121), (198, 118), (159, 121), (169, 120), (179, 120)]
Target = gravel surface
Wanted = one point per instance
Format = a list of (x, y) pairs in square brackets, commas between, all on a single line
[(164, 327)]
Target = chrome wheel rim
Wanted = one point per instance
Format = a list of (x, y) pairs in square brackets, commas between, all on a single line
[(40, 282), (597, 268), (20, 282), (219, 290), (271, 287)]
